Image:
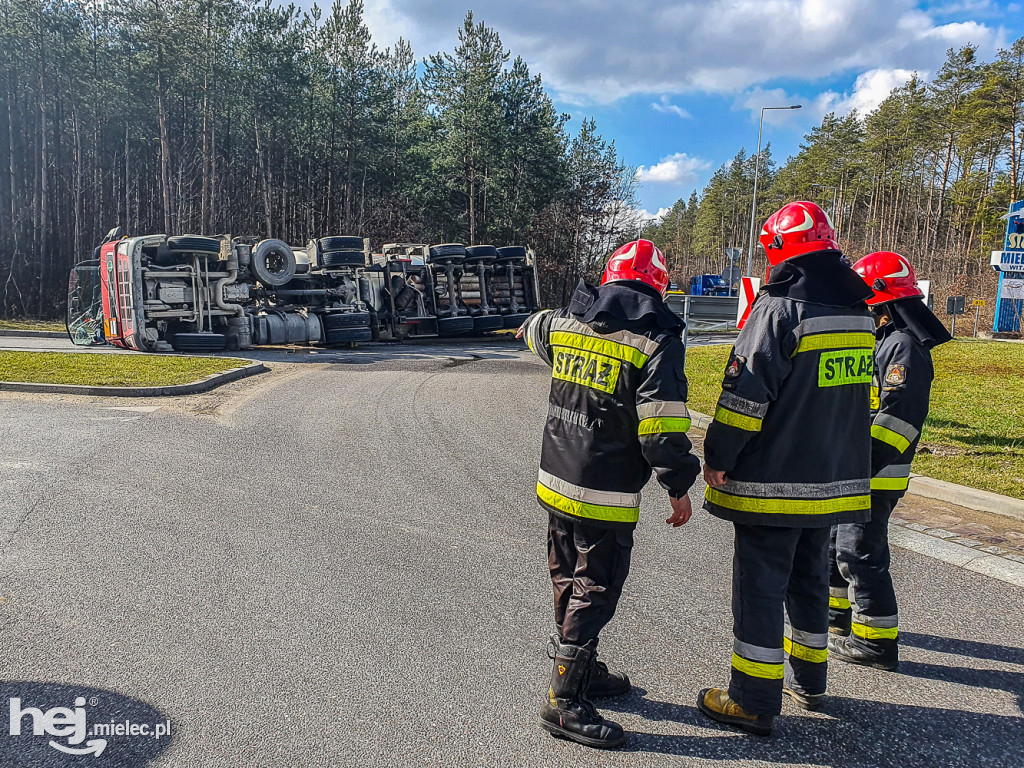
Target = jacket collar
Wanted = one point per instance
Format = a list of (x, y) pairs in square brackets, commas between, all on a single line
[(620, 306), (822, 277)]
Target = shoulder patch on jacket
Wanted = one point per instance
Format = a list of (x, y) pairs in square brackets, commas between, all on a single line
[(896, 375), (735, 366)]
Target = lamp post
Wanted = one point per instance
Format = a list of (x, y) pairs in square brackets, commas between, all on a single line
[(753, 203)]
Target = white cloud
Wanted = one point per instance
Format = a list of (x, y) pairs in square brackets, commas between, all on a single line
[(679, 168), (646, 216), (587, 50), (668, 108)]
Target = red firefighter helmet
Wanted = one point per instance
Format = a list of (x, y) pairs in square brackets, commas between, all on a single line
[(796, 229), (890, 276), (638, 260)]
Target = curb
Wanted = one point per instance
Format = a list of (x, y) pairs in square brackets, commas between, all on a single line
[(992, 566), (930, 488), (33, 334), (193, 388)]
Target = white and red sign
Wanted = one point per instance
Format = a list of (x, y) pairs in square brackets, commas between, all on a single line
[(749, 286)]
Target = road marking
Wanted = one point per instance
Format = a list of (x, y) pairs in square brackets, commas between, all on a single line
[(992, 566), (133, 408)]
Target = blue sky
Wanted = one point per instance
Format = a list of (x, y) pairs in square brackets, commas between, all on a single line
[(678, 85)]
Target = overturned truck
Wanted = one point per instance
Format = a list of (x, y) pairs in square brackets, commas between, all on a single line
[(155, 293)]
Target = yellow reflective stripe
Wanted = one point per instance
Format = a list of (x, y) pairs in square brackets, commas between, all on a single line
[(875, 633), (582, 509), (757, 668), (738, 420), (657, 426), (839, 603), (604, 347), (821, 341), (886, 435), (816, 655), (889, 483), (788, 506)]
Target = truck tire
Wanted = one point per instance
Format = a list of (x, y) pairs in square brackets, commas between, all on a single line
[(347, 335), (341, 243), (193, 244), (338, 320), (447, 252), (512, 253), (346, 257), (484, 253), (273, 262), (454, 326), (488, 323), (514, 321), (199, 342)]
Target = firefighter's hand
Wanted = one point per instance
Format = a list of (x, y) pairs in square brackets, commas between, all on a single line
[(681, 511), (521, 331), (714, 478)]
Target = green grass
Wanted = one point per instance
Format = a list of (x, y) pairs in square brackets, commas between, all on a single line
[(33, 325), (974, 435), (109, 370)]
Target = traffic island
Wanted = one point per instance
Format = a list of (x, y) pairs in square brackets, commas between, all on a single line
[(118, 375)]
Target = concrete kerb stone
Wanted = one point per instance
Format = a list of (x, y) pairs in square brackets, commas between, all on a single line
[(173, 390), (33, 334)]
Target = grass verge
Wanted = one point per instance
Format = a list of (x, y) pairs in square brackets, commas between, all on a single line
[(33, 325), (102, 370), (974, 434)]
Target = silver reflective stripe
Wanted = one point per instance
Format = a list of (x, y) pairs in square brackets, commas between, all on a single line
[(807, 639), (798, 490), (742, 405), (757, 653), (669, 408), (882, 622), (588, 495), (533, 339), (640, 343), (834, 324), (842, 592), (899, 426), (894, 470)]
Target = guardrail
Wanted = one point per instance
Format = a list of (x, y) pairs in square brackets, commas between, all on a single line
[(706, 313)]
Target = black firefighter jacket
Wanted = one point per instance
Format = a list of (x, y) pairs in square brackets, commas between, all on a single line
[(792, 426), (617, 406), (901, 391)]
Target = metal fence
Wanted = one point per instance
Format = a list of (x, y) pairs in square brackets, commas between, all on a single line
[(704, 313)]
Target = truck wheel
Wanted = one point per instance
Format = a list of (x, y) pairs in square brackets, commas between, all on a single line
[(193, 244), (447, 252), (199, 342), (512, 253), (484, 253), (347, 335), (346, 257), (339, 320), (341, 243), (273, 262), (488, 323), (514, 321), (454, 326)]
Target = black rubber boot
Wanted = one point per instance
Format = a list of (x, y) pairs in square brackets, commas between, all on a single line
[(884, 655), (839, 621), (604, 683), (568, 713), (810, 702)]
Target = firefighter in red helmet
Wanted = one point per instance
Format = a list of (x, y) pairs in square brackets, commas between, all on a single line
[(788, 456), (616, 411), (863, 620)]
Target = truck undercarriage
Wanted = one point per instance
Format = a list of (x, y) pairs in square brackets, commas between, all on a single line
[(190, 293)]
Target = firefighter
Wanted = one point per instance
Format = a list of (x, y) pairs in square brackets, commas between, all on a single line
[(788, 456), (861, 596), (617, 410)]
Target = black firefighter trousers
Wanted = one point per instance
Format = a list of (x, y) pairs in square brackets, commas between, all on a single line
[(860, 587), (774, 569), (588, 566)]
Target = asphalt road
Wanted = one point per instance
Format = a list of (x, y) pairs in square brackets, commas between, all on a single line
[(343, 564)]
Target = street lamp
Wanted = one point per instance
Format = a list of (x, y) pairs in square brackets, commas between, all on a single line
[(753, 204)]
